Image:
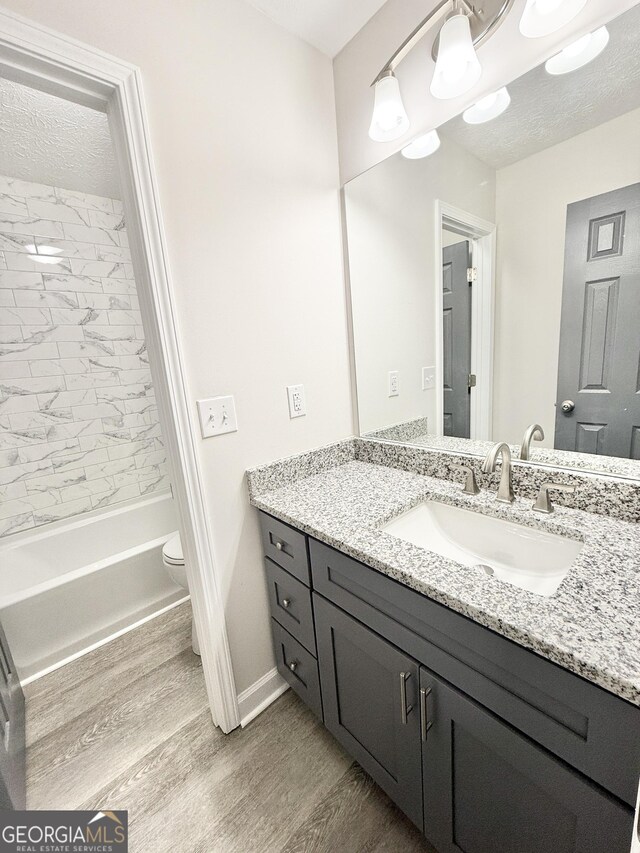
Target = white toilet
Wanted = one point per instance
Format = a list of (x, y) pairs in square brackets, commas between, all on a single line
[(173, 558)]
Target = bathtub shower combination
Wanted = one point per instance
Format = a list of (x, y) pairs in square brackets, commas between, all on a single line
[(85, 502), (70, 585)]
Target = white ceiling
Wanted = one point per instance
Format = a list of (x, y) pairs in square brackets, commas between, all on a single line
[(326, 24), (546, 110), (51, 141)]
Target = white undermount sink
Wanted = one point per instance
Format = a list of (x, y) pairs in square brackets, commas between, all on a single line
[(530, 559)]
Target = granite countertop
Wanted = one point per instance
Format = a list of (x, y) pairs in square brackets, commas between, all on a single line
[(590, 626), (416, 433)]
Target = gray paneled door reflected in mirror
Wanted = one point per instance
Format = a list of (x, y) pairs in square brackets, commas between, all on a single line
[(598, 367), (498, 279), (456, 339)]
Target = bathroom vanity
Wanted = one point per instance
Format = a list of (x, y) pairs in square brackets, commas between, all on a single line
[(478, 655), (497, 719)]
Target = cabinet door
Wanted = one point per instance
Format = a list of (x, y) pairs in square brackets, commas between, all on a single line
[(12, 732), (488, 789), (370, 700)]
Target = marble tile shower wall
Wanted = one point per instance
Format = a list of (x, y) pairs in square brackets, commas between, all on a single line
[(78, 419)]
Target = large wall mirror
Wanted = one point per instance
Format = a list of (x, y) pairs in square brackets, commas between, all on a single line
[(495, 283)]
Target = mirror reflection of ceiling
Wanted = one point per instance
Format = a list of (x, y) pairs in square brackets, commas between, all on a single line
[(48, 140), (546, 109)]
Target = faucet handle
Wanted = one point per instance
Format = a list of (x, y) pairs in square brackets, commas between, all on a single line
[(543, 502), (470, 483)]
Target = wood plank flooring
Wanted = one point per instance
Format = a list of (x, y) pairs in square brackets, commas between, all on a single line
[(128, 727)]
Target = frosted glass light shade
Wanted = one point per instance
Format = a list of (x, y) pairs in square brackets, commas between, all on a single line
[(543, 17), (457, 66), (422, 146), (579, 53), (488, 108), (389, 120)]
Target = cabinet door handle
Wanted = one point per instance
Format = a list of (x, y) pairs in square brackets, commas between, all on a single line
[(425, 725), (405, 709), (293, 665), (286, 603)]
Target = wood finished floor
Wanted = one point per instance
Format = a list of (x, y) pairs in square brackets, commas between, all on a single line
[(128, 727)]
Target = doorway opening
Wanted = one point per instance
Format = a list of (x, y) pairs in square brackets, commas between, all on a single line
[(465, 248), (39, 58)]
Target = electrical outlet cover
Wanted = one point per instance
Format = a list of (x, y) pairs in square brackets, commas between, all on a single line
[(217, 416), (428, 378), (297, 402), (394, 383)]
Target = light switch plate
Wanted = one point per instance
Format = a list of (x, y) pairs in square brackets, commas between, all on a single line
[(217, 416), (297, 402), (394, 383), (428, 378)]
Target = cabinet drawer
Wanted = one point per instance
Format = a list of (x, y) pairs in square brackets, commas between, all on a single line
[(286, 547), (290, 602), (297, 666), (589, 728)]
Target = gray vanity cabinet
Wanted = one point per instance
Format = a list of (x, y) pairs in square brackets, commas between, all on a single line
[(288, 578), (370, 699), (489, 789), (486, 746), (472, 782)]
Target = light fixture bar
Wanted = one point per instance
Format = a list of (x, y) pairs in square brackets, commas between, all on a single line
[(442, 9), (484, 18)]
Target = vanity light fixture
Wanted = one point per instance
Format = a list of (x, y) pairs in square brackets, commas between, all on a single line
[(467, 24), (457, 67), (422, 146), (543, 17), (389, 120), (488, 108), (579, 53)]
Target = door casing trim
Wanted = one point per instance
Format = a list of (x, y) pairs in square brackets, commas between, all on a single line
[(53, 62), (482, 234)]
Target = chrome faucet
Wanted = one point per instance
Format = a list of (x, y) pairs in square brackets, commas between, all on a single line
[(505, 489), (533, 431)]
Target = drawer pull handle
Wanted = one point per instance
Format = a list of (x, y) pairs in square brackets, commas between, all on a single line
[(279, 546), (405, 709), (425, 724), (286, 603), (293, 665)]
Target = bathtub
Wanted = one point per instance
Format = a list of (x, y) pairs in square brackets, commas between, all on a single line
[(76, 583)]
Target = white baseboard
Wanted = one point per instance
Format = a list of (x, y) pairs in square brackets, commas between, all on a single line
[(260, 695)]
